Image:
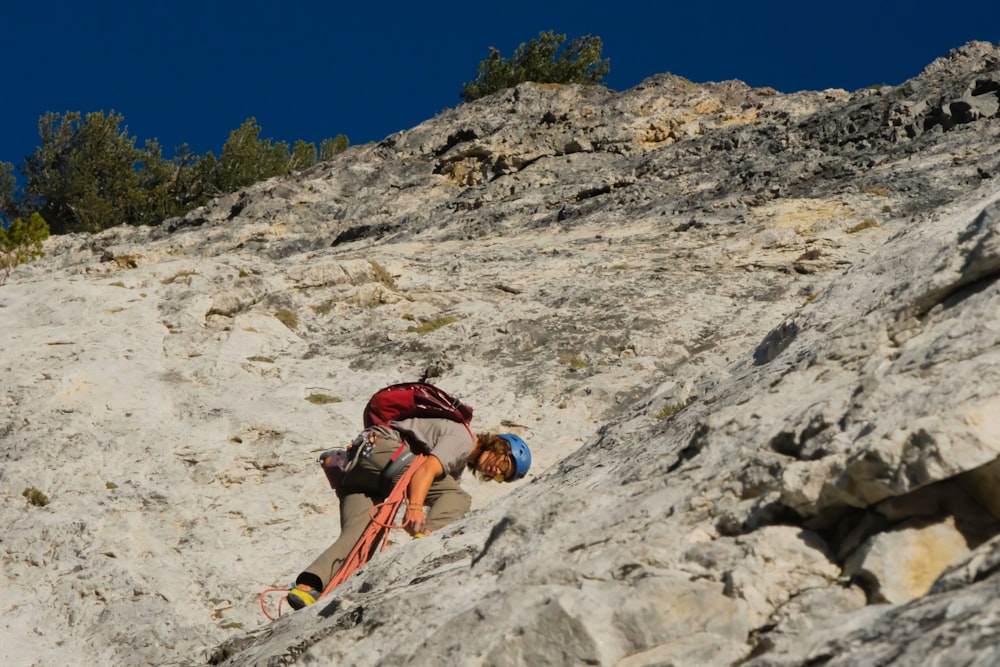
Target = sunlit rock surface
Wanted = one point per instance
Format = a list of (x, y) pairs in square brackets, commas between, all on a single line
[(752, 338)]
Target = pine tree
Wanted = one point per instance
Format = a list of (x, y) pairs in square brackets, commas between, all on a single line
[(540, 60)]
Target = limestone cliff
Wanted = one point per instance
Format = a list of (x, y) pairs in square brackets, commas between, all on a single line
[(753, 339)]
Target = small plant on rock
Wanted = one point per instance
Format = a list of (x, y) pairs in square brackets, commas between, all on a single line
[(868, 223), (35, 497), (573, 361), (433, 325), (322, 399), (181, 277), (382, 274), (669, 410), (288, 318), (324, 308)]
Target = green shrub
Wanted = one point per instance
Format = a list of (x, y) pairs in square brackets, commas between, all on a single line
[(541, 61), (20, 243), (330, 147), (8, 190), (247, 159), (88, 174)]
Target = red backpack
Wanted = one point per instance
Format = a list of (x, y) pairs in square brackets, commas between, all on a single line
[(409, 400)]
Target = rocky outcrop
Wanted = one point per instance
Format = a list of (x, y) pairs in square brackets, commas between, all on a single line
[(751, 338)]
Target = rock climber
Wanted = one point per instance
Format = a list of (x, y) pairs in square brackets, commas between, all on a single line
[(450, 448)]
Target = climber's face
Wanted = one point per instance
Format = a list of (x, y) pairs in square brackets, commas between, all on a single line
[(494, 464)]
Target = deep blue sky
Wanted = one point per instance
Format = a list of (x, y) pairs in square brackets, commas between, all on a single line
[(183, 71)]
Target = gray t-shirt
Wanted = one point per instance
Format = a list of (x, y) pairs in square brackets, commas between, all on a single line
[(448, 441)]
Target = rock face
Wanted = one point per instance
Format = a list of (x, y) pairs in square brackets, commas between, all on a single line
[(752, 338)]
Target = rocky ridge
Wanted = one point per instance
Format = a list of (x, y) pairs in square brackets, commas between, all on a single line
[(751, 337)]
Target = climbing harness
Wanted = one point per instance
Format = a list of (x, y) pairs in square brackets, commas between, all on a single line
[(401, 458)]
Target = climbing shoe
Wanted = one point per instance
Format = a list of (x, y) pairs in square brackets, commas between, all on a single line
[(298, 598)]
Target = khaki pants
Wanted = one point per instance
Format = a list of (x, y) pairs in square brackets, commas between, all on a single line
[(361, 490)]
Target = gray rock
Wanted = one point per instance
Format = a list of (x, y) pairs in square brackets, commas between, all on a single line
[(751, 337)]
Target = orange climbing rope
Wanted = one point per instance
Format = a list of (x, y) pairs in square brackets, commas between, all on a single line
[(377, 533), (265, 592), (382, 516)]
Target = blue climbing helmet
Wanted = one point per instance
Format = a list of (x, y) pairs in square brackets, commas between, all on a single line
[(522, 455)]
